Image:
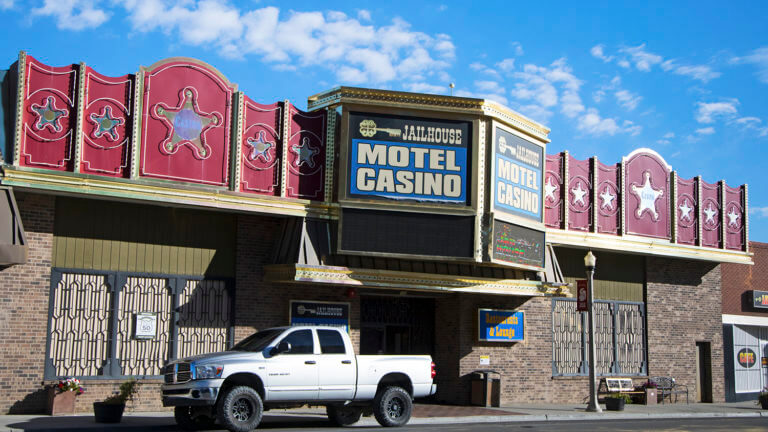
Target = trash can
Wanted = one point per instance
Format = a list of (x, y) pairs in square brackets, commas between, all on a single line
[(486, 388)]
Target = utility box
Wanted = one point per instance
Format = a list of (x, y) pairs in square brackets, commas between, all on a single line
[(486, 388)]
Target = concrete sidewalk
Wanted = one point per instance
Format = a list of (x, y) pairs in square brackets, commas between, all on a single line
[(423, 414)]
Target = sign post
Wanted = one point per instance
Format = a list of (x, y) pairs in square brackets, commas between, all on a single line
[(582, 294)]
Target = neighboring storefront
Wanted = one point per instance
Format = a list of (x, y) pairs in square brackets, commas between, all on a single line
[(166, 214), (745, 326)]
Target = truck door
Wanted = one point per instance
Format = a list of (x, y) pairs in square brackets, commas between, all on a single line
[(338, 371), (293, 375)]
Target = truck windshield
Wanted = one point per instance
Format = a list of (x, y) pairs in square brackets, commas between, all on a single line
[(257, 341)]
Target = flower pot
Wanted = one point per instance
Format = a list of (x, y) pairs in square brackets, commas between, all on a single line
[(614, 404), (764, 403), (61, 403), (650, 396), (108, 413)]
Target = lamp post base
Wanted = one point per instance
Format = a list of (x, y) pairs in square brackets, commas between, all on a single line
[(594, 408)]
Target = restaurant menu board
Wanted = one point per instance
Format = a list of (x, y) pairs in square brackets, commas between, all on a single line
[(517, 245)]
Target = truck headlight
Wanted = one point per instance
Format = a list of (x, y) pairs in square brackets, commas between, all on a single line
[(208, 371)]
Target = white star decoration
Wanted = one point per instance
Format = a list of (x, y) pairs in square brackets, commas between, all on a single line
[(305, 153), (710, 212), (685, 211), (733, 218), (578, 194), (550, 189), (608, 198), (647, 196)]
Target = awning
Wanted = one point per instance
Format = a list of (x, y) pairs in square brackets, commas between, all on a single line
[(13, 241)]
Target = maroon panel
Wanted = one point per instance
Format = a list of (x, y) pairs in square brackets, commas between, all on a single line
[(734, 218), (687, 210), (49, 116), (647, 195), (710, 215), (608, 199), (107, 124), (306, 155), (262, 148), (186, 123), (553, 191), (579, 195)]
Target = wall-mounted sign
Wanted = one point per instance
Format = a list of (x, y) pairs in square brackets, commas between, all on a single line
[(145, 325), (582, 293), (746, 358), (760, 299), (500, 325), (764, 362), (517, 177), (485, 360), (408, 158), (515, 244), (319, 313)]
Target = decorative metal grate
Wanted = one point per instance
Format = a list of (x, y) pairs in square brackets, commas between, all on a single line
[(79, 341), (204, 317), (147, 356), (619, 338)]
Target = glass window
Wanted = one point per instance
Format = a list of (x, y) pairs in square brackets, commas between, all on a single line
[(301, 342), (331, 342)]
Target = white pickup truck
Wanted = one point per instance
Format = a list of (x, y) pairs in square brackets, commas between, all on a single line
[(292, 366)]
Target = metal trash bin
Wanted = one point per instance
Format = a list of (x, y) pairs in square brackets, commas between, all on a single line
[(485, 388)]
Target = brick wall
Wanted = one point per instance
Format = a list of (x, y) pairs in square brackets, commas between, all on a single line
[(684, 304), (740, 278), (24, 310)]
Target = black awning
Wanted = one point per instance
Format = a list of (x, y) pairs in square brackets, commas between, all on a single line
[(13, 240)]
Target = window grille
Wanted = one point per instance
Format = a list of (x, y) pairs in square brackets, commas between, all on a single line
[(204, 317)]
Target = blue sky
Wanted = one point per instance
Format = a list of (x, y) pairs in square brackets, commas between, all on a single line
[(687, 79)]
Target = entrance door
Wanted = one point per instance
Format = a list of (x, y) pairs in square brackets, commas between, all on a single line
[(704, 372), (397, 325)]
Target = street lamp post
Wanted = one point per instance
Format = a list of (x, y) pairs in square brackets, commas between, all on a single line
[(589, 262)]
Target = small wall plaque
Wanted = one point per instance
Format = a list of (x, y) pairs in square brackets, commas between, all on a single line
[(145, 325)]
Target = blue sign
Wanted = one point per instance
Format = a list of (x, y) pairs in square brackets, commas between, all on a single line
[(408, 158), (320, 314), (518, 176), (501, 325)]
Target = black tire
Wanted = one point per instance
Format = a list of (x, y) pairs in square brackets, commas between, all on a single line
[(392, 407), (191, 418), (341, 415), (240, 409)]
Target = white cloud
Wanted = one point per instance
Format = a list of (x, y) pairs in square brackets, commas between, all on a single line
[(706, 131), (534, 112), (490, 87), (644, 60), (698, 72), (597, 52), (421, 87), (628, 99), (364, 15), (759, 58), (538, 83), (6, 4), (517, 48), (708, 112), (669, 135), (748, 121), (592, 123), (506, 65), (70, 14), (760, 212), (598, 96), (666, 138), (624, 98), (624, 63)]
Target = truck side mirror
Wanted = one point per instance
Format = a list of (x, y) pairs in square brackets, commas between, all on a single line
[(281, 348)]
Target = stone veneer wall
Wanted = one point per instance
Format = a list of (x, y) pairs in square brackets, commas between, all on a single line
[(684, 304)]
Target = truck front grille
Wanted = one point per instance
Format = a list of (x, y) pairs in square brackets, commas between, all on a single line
[(177, 373)]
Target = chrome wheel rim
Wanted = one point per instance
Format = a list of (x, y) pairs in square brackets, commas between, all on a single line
[(242, 410)]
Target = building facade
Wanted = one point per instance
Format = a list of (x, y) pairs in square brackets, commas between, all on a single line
[(166, 214)]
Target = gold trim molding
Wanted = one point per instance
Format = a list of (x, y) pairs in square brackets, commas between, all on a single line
[(388, 279)]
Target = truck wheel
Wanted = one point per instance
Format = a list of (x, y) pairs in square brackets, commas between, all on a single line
[(240, 409), (392, 407), (341, 415), (191, 418)]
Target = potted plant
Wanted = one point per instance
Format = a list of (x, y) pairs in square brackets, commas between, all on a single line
[(61, 397), (111, 409), (616, 401), (650, 392), (762, 398)]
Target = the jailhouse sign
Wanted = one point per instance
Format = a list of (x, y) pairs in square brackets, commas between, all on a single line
[(518, 167), (408, 158)]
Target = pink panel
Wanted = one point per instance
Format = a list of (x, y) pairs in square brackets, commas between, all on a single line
[(186, 122), (647, 196), (553, 191), (710, 215), (608, 199), (687, 210), (107, 124), (49, 116), (306, 155), (579, 195), (734, 218), (262, 148)]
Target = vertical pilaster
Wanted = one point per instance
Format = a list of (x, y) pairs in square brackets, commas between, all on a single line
[(482, 143), (237, 151), (699, 240), (721, 189), (746, 218), (623, 194), (286, 139), (138, 105), (20, 95), (566, 192), (673, 205), (595, 204), (330, 151), (82, 96)]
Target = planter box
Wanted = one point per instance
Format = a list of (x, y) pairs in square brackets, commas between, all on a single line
[(614, 404), (108, 413), (650, 396), (61, 403)]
